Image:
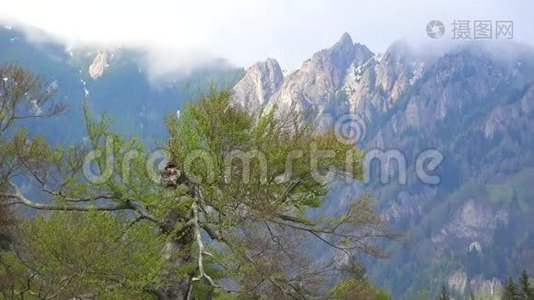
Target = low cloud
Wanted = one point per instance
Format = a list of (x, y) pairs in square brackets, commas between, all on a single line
[(183, 34)]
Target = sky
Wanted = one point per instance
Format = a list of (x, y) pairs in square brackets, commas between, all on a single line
[(185, 33)]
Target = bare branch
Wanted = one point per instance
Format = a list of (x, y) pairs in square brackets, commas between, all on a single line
[(21, 199), (201, 249), (128, 204)]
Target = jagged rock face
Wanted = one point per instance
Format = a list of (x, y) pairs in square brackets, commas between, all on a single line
[(473, 221), (453, 86), (99, 65), (486, 287), (503, 118), (473, 106), (407, 205), (459, 282), (308, 89), (260, 82), (345, 78), (314, 85), (374, 86)]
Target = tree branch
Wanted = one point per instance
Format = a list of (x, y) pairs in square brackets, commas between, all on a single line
[(201, 250), (129, 204), (21, 199)]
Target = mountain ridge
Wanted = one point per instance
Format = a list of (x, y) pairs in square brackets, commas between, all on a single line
[(469, 103), (472, 103)]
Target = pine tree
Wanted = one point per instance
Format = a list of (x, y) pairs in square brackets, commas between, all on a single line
[(527, 292), (510, 290), (444, 294)]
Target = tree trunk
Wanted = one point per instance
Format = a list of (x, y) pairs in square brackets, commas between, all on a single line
[(177, 254)]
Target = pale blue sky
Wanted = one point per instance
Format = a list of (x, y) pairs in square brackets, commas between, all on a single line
[(245, 31)]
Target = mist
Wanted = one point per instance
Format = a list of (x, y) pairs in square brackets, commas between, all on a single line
[(180, 36)]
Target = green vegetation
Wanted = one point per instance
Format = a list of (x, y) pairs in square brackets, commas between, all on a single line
[(224, 220), (520, 291), (356, 285), (444, 294)]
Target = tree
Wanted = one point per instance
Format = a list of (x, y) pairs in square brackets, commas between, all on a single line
[(68, 255), (22, 97), (355, 285), (242, 207), (444, 294), (6, 222), (527, 292), (524, 291), (510, 291)]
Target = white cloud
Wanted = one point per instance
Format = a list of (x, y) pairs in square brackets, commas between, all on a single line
[(184, 33)]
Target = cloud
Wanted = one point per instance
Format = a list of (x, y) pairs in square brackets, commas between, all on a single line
[(181, 34)]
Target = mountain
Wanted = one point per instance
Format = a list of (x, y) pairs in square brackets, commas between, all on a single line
[(113, 81), (260, 82), (473, 106)]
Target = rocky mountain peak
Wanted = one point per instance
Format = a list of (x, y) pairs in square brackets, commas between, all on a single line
[(341, 54), (310, 88), (345, 46), (345, 38), (320, 78), (260, 82)]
